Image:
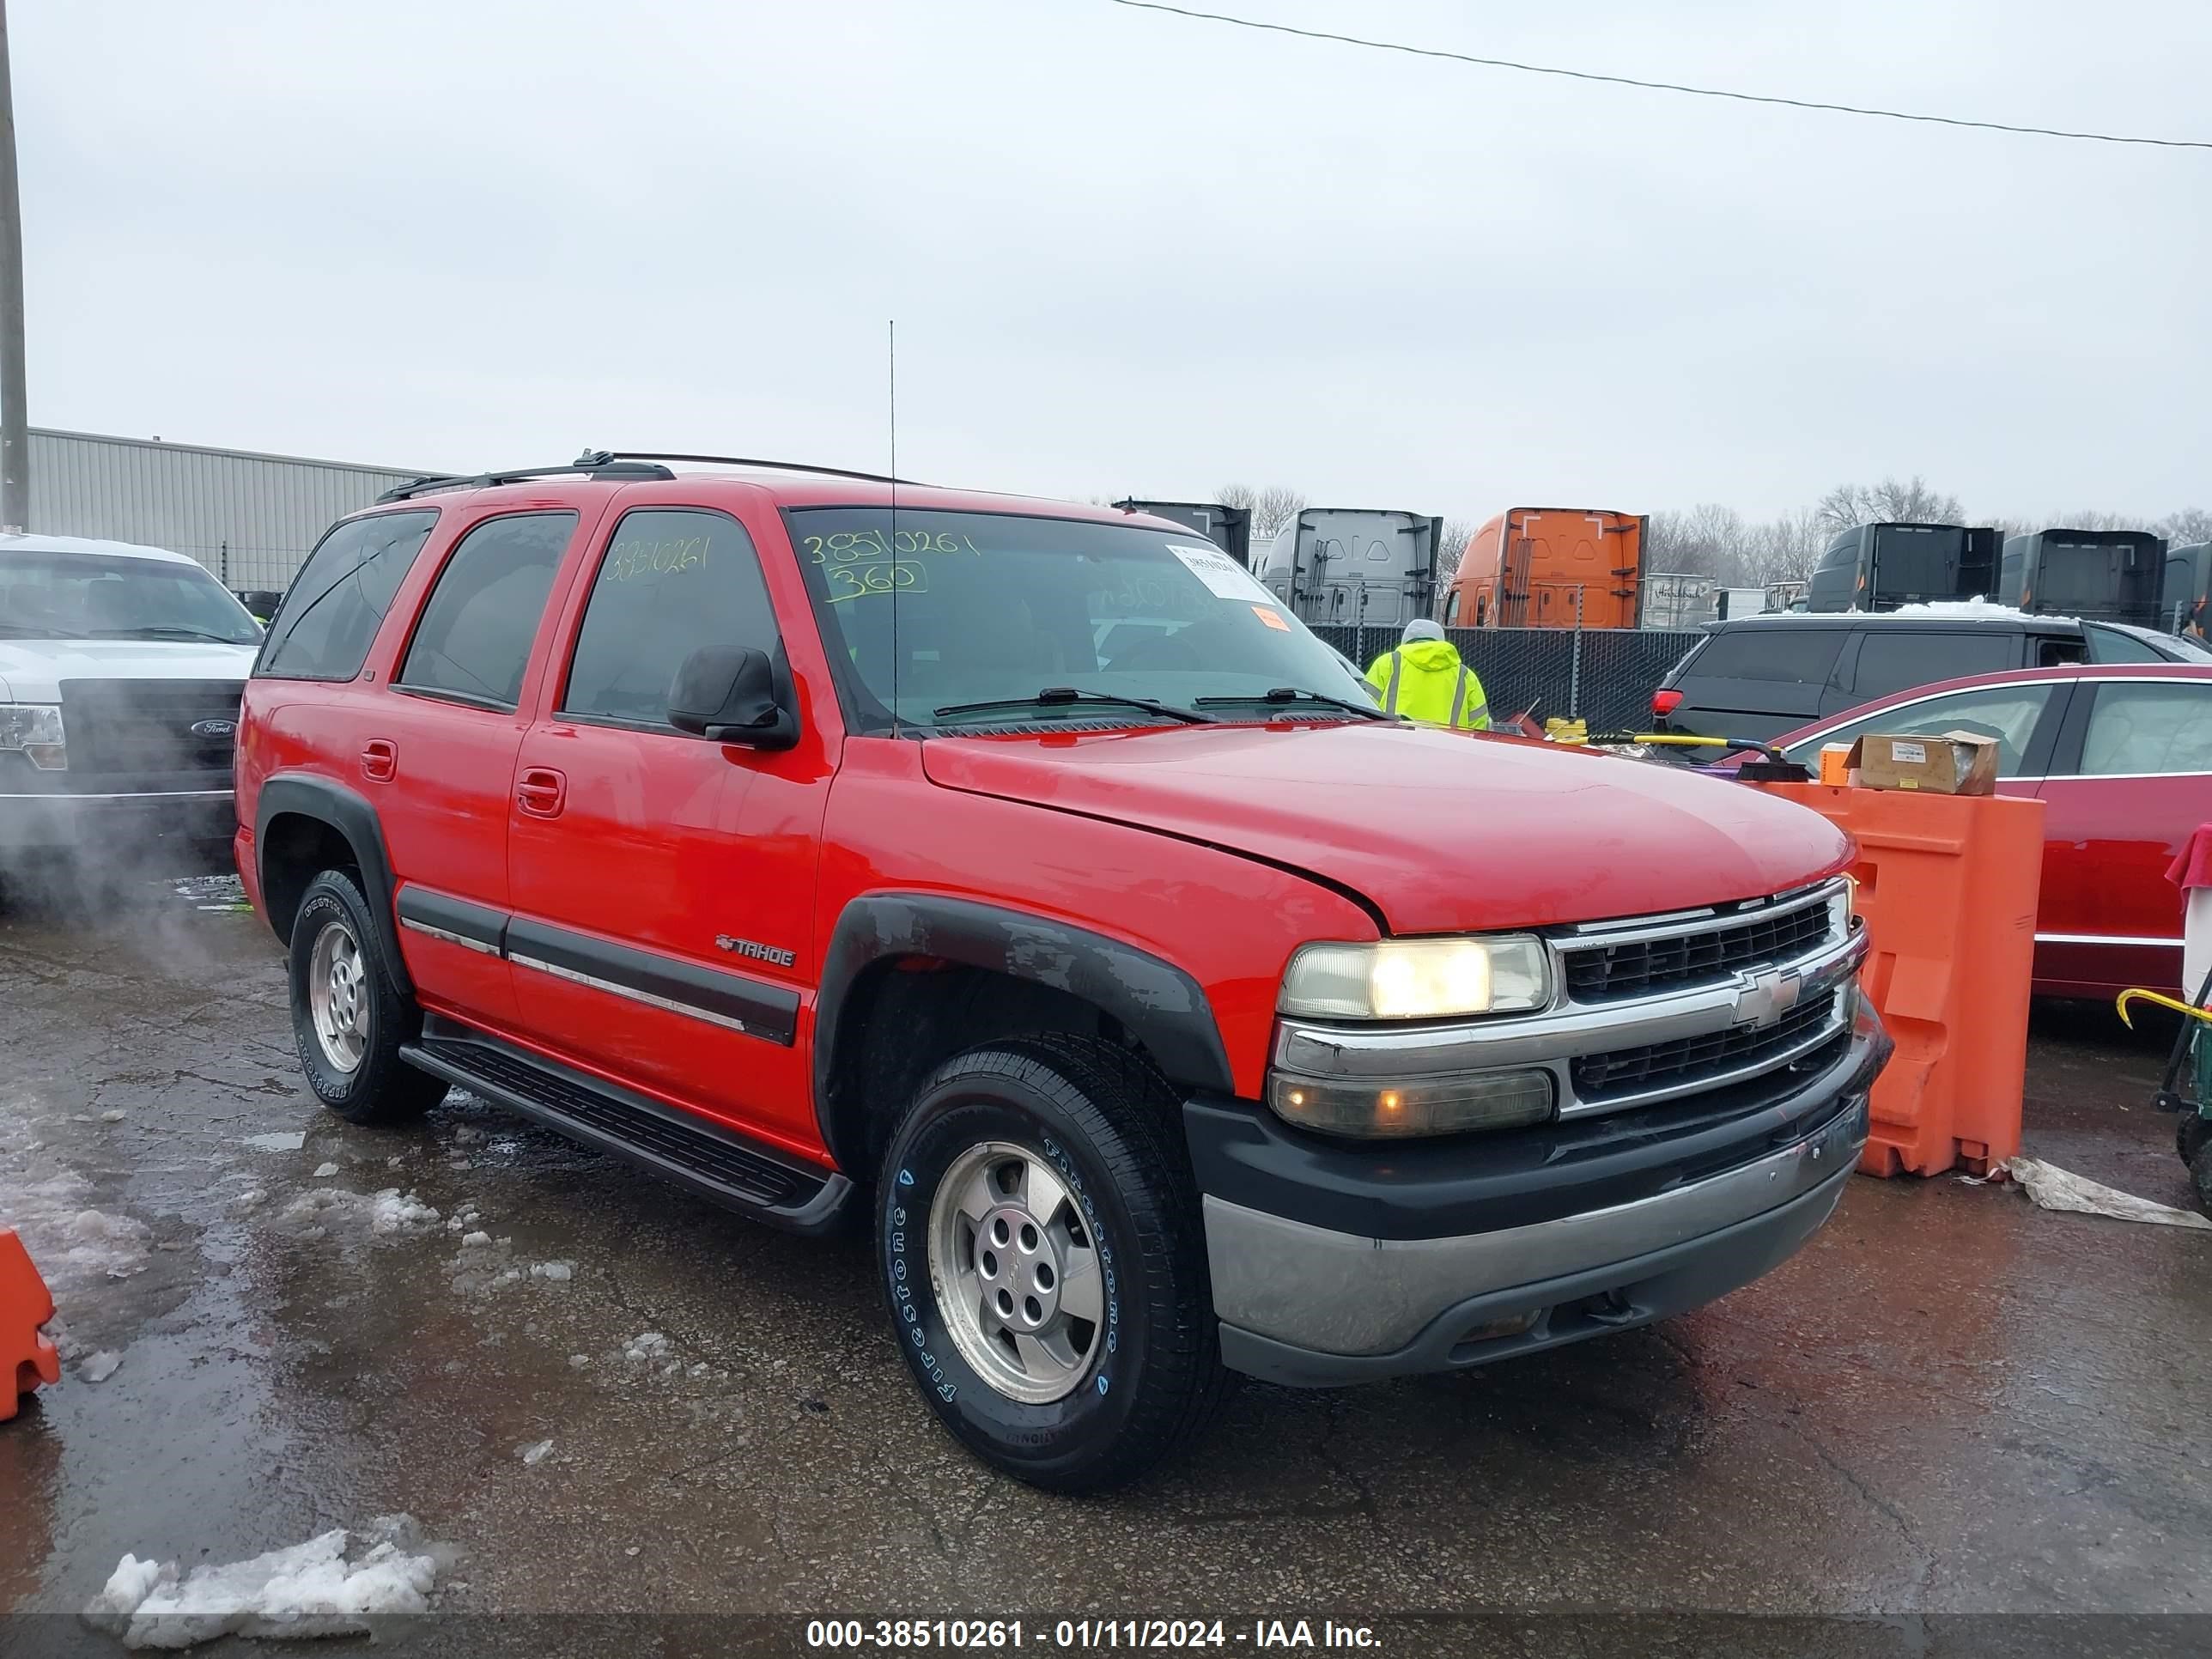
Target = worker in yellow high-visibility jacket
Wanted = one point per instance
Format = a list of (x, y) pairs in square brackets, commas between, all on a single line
[(1424, 679)]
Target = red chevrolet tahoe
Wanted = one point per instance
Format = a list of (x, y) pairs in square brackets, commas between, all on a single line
[(1021, 873)]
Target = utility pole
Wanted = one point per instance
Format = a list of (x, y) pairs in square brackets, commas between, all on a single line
[(14, 427)]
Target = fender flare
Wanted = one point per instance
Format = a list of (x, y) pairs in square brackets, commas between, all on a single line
[(1163, 1005), (353, 817)]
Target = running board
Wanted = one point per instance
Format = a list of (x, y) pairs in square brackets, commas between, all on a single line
[(693, 1151)]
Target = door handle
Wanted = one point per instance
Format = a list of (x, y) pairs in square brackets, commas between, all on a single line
[(380, 759), (541, 792)]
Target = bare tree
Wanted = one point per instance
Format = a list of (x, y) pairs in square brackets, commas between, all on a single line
[(1785, 548), (1271, 508), (1891, 501), (1706, 540), (1451, 547), (2190, 525)]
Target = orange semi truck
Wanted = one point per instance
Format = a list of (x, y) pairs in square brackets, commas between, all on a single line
[(1522, 568)]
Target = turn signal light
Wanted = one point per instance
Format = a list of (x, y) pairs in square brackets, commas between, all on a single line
[(1421, 1106)]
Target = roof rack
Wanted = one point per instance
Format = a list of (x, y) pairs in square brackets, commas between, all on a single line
[(605, 455), (632, 465), (593, 463)]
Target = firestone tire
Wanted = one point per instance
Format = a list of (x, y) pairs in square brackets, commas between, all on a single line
[(348, 1018), (1126, 1371)]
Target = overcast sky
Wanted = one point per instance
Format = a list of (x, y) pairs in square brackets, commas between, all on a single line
[(1130, 252)]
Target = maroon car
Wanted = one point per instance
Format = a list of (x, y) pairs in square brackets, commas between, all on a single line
[(2121, 755)]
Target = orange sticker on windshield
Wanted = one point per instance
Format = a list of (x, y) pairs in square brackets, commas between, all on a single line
[(1271, 616)]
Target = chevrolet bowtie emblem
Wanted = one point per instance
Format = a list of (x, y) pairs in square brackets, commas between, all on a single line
[(1767, 997)]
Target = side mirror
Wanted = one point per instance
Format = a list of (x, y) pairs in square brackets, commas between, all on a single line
[(727, 693)]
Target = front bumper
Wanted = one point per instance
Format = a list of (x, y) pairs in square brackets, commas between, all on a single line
[(1531, 1262), (110, 825)]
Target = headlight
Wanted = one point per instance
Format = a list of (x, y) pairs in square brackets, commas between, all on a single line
[(1417, 979), (36, 729)]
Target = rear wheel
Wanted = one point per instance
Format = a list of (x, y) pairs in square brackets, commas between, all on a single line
[(348, 1016), (2190, 1134), (1043, 1257)]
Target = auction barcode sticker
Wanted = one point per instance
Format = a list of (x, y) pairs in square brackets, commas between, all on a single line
[(1224, 577)]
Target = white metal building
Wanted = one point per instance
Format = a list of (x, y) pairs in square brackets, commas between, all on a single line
[(249, 518)]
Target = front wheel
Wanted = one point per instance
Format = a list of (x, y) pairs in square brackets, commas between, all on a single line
[(348, 1017), (1044, 1261)]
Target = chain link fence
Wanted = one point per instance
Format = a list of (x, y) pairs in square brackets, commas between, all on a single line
[(1605, 676)]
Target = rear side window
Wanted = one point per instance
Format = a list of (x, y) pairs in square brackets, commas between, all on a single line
[(2149, 728), (671, 581), (474, 639), (2111, 645), (336, 603), (1788, 656), (1899, 658)]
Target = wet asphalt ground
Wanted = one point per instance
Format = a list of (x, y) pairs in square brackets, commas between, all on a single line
[(1951, 1403)]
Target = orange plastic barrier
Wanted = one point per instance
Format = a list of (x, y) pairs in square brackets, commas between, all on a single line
[(1947, 884), (27, 1359)]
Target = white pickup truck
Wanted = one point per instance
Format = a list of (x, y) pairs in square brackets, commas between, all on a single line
[(120, 671)]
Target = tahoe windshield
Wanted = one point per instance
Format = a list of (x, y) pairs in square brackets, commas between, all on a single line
[(79, 596), (993, 608)]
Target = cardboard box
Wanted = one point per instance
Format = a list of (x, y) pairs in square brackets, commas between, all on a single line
[(1946, 763)]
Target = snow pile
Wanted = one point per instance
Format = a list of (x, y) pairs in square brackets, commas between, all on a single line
[(309, 1589), (384, 1214), (390, 1212), (1977, 607), (534, 1453), (286, 1141), (101, 1366), (73, 1245), (555, 1271)]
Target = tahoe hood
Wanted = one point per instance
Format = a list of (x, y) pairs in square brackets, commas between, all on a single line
[(1440, 832)]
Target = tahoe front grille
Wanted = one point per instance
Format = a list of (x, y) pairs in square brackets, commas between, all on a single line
[(1692, 1061), (1704, 954), (148, 725)]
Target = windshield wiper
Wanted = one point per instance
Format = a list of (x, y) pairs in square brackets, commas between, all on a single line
[(1053, 696), (171, 631), (1288, 694)]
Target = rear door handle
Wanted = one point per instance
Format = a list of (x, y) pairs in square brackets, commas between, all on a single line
[(541, 792), (380, 759)]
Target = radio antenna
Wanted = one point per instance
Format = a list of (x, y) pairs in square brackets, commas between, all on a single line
[(892, 388)]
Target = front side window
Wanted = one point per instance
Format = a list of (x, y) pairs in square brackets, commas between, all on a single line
[(95, 596), (474, 639), (995, 606), (326, 623), (2007, 713), (2148, 727), (671, 581)]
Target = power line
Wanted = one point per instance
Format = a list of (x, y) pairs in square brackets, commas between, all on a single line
[(1661, 86)]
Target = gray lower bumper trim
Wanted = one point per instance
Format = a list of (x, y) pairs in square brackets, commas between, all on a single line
[(1619, 1296), (1342, 1293)]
